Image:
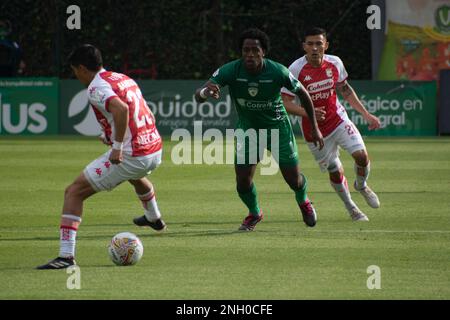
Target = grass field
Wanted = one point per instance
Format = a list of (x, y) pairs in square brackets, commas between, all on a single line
[(201, 256)]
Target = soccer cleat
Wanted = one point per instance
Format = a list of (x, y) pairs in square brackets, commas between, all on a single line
[(157, 225), (58, 263), (357, 215), (369, 195), (250, 222), (308, 213)]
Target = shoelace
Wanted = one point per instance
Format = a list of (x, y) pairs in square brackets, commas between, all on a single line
[(307, 206)]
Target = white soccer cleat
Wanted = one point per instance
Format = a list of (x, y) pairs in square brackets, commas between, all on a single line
[(357, 215), (370, 196)]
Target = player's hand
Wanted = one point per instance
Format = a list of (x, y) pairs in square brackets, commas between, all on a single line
[(116, 156), (373, 122), (317, 138), (320, 113), (213, 91)]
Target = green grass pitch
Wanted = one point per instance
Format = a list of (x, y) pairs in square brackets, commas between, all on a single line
[(202, 256)]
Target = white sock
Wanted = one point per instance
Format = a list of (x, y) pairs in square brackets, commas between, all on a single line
[(151, 211), (67, 235), (343, 192), (361, 180)]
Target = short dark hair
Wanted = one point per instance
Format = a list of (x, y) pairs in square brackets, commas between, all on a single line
[(88, 56), (314, 31), (256, 34)]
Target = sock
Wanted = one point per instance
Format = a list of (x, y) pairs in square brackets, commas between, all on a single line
[(362, 174), (300, 194), (151, 210), (67, 235), (250, 199), (341, 188)]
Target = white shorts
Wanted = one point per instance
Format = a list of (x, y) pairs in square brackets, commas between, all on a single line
[(346, 136), (103, 175)]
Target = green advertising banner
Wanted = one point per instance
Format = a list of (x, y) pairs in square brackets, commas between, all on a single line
[(404, 108), (28, 106), (171, 101), (76, 117)]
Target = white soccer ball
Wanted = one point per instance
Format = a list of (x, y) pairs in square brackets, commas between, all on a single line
[(125, 249)]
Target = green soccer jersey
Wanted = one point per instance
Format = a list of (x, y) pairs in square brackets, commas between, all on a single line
[(257, 97)]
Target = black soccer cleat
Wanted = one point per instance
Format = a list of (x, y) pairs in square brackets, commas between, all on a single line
[(157, 225), (58, 263)]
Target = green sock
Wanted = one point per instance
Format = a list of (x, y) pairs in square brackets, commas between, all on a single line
[(250, 200), (300, 194)]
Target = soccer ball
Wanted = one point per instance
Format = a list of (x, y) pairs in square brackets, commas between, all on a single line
[(125, 249)]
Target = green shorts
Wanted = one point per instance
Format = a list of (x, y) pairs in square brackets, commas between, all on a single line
[(250, 144)]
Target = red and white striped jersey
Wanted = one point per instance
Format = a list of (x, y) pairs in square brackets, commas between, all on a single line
[(141, 136), (320, 82)]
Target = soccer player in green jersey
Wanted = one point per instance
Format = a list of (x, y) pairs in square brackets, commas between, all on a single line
[(254, 83)]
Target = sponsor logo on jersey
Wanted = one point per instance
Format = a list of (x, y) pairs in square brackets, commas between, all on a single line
[(320, 86), (255, 105), (320, 95), (307, 78)]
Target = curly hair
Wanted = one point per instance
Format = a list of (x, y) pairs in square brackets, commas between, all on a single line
[(256, 34)]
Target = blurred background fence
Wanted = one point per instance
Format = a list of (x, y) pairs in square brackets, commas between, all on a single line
[(181, 39)]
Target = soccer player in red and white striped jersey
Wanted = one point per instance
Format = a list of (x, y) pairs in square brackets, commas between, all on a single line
[(136, 147), (321, 74)]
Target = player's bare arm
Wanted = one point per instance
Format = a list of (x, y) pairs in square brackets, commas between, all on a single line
[(293, 108), (349, 95), (119, 110), (307, 104), (209, 89)]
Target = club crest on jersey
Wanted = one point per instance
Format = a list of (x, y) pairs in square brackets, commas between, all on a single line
[(329, 72), (253, 89)]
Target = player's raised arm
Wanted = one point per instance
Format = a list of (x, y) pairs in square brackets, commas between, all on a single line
[(119, 110), (209, 89), (307, 105), (350, 96)]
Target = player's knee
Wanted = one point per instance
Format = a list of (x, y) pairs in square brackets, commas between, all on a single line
[(72, 191), (243, 184), (334, 165), (295, 182), (361, 158), (68, 191)]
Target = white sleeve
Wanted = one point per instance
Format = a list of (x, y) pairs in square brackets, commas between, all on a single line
[(293, 73), (100, 95), (341, 69)]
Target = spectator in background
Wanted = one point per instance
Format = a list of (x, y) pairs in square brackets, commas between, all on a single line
[(11, 63)]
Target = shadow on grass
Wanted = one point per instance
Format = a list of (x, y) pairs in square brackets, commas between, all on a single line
[(151, 234)]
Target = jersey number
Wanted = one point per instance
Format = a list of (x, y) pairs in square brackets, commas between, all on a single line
[(136, 97), (349, 129)]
